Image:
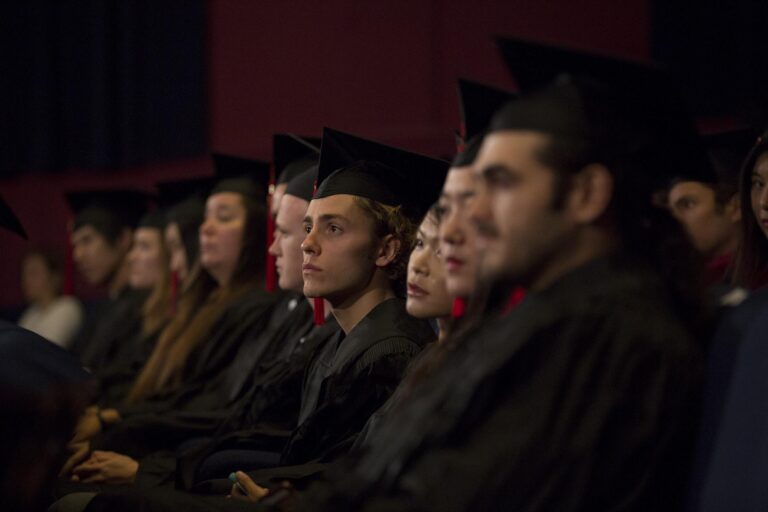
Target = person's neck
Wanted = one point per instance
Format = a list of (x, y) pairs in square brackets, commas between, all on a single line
[(350, 310), (120, 280), (589, 245), (726, 249)]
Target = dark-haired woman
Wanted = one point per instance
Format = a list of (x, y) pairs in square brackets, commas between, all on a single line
[(751, 263)]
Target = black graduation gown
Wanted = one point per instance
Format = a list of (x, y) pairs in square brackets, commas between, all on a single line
[(582, 398), (105, 339), (164, 420)]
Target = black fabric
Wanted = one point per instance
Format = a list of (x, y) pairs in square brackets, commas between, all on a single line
[(356, 374), (242, 175), (478, 103), (115, 322), (573, 401), (731, 463), (102, 85), (164, 420)]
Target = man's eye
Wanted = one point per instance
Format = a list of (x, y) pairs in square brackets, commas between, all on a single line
[(334, 228), (418, 243), (307, 228)]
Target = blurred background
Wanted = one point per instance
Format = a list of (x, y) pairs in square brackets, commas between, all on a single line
[(125, 93)]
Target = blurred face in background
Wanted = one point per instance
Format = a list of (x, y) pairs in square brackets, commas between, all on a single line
[(96, 258), (147, 258), (427, 294), (759, 192), (712, 227), (39, 283), (286, 247), (221, 235)]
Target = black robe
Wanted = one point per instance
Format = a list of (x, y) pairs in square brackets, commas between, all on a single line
[(582, 398), (355, 374), (109, 327), (165, 420)]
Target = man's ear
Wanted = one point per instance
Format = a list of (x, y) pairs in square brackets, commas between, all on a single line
[(590, 193), (388, 250), (733, 209)]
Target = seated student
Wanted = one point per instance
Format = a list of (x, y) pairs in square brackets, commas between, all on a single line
[(275, 387), (149, 271), (43, 389), (222, 304), (50, 314), (710, 212), (574, 400), (751, 262), (102, 233), (358, 227)]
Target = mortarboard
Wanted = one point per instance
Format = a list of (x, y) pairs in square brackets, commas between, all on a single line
[(619, 107), (477, 103), (728, 150), (388, 175), (242, 175), (302, 185), (107, 210), (292, 155), (9, 221)]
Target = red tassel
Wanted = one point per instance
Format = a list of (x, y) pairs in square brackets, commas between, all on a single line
[(459, 307), (174, 291), (319, 310), (69, 263), (517, 296), (271, 271)]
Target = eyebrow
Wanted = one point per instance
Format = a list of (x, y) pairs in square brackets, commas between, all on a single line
[(495, 169), (326, 217), (460, 195)]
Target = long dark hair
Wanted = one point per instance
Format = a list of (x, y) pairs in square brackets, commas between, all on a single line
[(751, 259), (201, 305)]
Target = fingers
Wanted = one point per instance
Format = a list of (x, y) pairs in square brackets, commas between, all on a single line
[(80, 454), (253, 490)]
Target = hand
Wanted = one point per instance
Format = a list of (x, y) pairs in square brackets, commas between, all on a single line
[(107, 468), (253, 492), (80, 451), (88, 426)]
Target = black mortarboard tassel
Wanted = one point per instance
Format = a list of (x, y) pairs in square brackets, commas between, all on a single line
[(9, 221), (388, 175), (618, 106)]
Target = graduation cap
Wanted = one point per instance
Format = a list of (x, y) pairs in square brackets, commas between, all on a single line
[(619, 107), (728, 150), (108, 210), (9, 221), (388, 175), (292, 155), (302, 185), (478, 103), (242, 175)]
